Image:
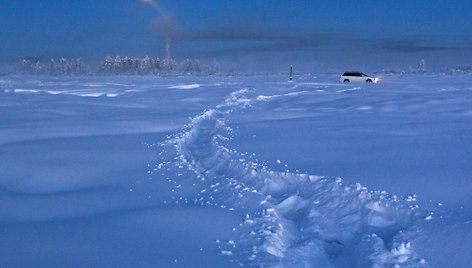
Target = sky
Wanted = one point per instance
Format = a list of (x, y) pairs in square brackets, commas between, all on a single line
[(241, 32)]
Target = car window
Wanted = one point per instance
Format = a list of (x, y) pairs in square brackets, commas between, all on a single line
[(355, 74)]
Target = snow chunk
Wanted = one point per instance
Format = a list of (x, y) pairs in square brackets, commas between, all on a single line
[(227, 252)]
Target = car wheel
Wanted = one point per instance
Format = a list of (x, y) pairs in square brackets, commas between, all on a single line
[(346, 81), (368, 81)]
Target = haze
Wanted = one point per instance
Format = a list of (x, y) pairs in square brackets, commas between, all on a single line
[(257, 34)]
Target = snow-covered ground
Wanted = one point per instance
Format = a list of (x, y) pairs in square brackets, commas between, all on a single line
[(223, 171)]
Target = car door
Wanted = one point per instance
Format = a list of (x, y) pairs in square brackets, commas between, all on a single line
[(357, 77), (365, 78)]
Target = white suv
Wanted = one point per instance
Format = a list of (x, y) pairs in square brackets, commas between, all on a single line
[(357, 77)]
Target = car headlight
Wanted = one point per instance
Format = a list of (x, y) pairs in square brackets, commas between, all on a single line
[(376, 80)]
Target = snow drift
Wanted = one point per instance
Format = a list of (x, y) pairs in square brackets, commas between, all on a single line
[(292, 219)]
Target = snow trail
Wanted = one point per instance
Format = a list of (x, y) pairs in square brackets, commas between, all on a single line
[(293, 220)]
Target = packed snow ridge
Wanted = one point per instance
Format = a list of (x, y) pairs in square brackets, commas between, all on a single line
[(292, 219), (191, 86)]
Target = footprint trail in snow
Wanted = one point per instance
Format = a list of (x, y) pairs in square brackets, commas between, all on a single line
[(292, 219)]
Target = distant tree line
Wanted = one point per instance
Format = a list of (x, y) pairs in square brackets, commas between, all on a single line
[(120, 66), (62, 66), (168, 66), (148, 65), (465, 69), (421, 69)]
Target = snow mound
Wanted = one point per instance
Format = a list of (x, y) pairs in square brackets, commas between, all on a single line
[(192, 86), (79, 93), (292, 219)]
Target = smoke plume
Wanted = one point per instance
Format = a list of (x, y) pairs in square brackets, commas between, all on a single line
[(165, 27)]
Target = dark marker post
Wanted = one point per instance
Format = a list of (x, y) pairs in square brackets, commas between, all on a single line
[(290, 72)]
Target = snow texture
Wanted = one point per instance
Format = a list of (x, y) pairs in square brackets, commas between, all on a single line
[(302, 220), (126, 171)]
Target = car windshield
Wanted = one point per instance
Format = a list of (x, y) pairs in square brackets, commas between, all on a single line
[(363, 74)]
